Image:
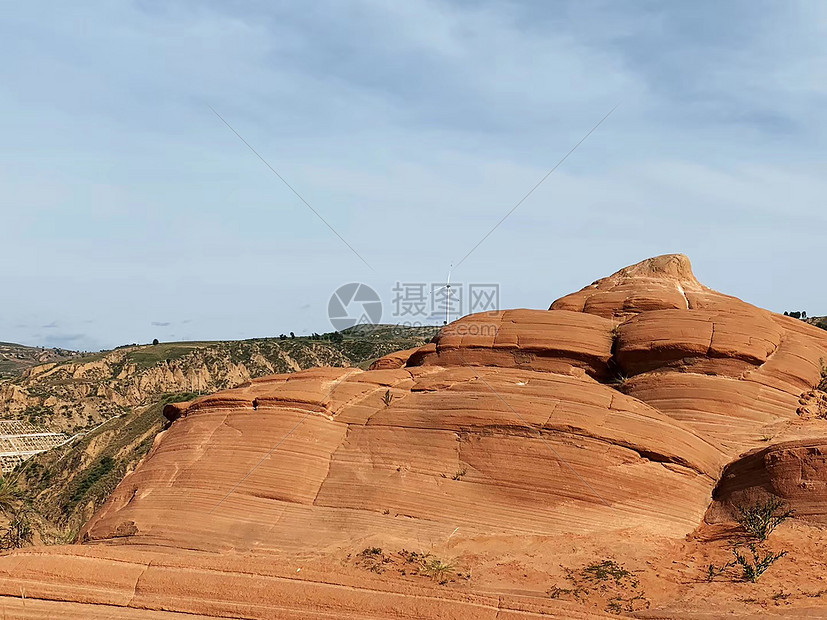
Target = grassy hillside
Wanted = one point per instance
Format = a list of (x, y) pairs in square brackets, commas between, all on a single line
[(112, 402)]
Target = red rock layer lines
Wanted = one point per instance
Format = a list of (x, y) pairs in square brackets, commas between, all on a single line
[(617, 408)]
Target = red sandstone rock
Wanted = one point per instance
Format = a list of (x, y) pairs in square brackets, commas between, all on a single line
[(605, 420)]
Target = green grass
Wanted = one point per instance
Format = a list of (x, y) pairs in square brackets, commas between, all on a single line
[(98, 470), (146, 356), (179, 397)]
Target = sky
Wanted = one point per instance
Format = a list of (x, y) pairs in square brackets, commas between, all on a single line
[(129, 211)]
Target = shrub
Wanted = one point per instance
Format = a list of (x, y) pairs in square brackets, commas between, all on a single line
[(10, 494), (753, 568), (716, 571), (557, 592), (437, 570), (761, 518), (605, 570), (372, 559), (610, 581), (18, 533)]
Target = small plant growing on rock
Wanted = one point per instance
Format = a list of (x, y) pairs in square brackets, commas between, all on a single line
[(557, 592), (437, 570), (605, 570), (10, 495), (761, 518), (459, 474), (387, 398), (616, 377), (619, 605), (372, 559), (607, 580), (753, 568), (19, 531), (412, 557), (716, 571), (823, 384)]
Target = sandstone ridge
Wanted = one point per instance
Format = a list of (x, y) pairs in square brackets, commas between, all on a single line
[(610, 417)]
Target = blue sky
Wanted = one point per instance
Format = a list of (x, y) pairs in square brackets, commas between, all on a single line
[(129, 211)]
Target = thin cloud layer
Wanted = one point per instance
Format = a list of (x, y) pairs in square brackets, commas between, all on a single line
[(412, 128)]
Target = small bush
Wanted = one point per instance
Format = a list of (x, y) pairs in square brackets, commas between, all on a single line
[(437, 570), (605, 570), (607, 579), (372, 559), (64, 536), (716, 571), (761, 518), (753, 568), (412, 557), (18, 533), (10, 495), (557, 592)]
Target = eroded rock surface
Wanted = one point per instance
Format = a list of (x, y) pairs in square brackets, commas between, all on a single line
[(614, 411)]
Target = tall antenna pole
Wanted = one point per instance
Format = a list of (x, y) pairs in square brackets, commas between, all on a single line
[(448, 296)]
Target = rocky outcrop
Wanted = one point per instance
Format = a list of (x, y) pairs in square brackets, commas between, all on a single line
[(795, 472), (611, 415), (563, 342)]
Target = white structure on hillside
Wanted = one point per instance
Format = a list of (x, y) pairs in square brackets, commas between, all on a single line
[(20, 441)]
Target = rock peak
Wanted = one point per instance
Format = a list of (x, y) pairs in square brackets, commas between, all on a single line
[(660, 282), (667, 267)]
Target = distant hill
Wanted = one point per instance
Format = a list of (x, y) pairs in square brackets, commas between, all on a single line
[(16, 358), (73, 393), (818, 321)]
